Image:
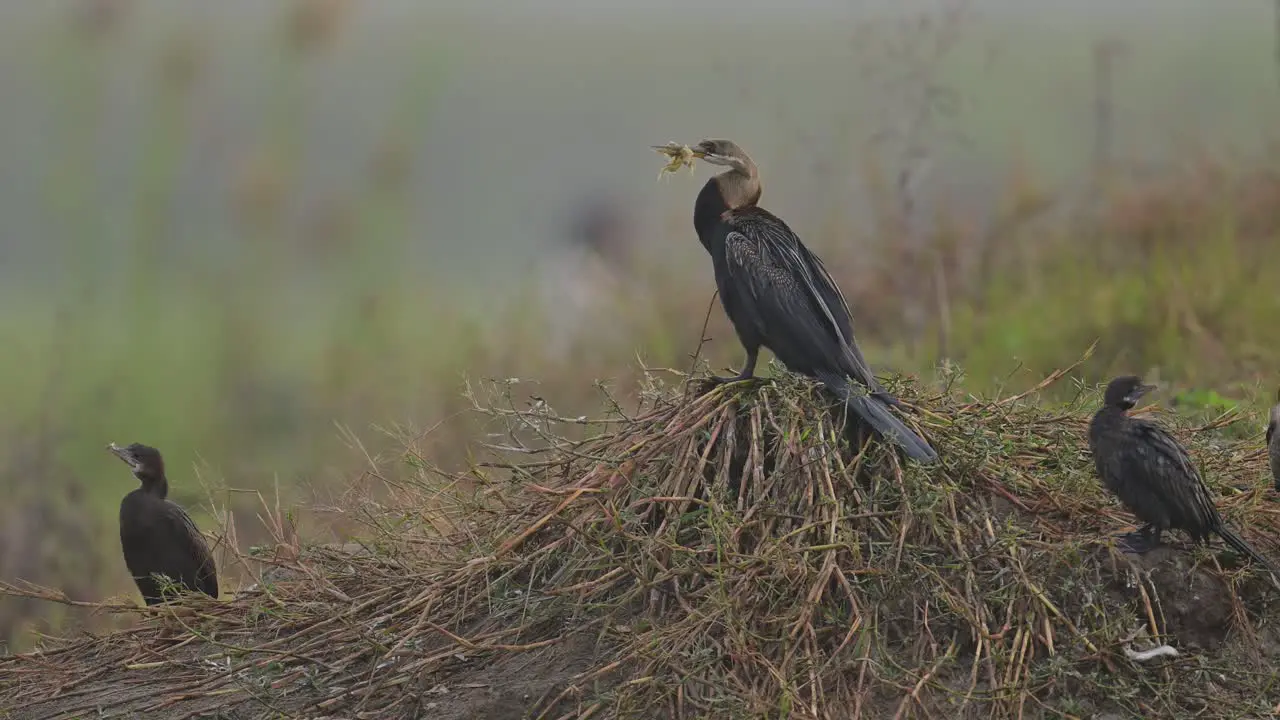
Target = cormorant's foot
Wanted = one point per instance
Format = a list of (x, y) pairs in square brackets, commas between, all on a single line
[(1136, 542)]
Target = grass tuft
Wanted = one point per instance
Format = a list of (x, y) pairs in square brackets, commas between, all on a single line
[(730, 552)]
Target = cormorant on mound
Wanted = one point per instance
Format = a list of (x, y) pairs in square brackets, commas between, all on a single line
[(1273, 441), (1152, 474), (157, 535), (778, 295)]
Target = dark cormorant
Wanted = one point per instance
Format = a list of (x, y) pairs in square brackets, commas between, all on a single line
[(1153, 475), (1273, 441), (778, 295), (156, 534)]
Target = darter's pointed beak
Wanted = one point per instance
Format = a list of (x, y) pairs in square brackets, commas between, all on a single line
[(675, 146)]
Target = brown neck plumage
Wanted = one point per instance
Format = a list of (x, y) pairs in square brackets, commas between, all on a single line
[(736, 188), (740, 186)]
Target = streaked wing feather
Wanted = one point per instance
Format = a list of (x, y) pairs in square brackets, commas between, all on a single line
[(765, 254), (781, 248), (827, 289), (773, 296), (193, 544), (1165, 466)]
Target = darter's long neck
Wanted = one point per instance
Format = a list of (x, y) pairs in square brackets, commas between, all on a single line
[(727, 191)]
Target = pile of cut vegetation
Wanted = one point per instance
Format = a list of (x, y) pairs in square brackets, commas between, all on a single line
[(726, 554)]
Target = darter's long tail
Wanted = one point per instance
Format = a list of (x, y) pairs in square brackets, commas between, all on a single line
[(876, 413)]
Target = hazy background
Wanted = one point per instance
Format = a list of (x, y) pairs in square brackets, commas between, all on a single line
[(272, 239)]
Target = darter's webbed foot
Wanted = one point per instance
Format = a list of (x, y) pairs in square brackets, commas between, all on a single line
[(748, 372), (740, 377), (707, 384)]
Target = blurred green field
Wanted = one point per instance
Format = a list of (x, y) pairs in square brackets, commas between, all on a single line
[(279, 316)]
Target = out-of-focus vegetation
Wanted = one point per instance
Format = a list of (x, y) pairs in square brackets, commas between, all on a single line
[(278, 326)]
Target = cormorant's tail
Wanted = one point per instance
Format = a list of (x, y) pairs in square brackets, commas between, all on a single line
[(1243, 547), (876, 413)]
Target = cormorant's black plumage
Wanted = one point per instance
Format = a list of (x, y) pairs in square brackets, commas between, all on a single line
[(157, 535), (779, 295), (1152, 474), (1273, 441)]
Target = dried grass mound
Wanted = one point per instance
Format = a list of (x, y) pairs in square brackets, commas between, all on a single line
[(727, 555)]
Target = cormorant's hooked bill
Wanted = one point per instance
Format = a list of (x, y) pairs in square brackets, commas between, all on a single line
[(1125, 392), (140, 458)]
